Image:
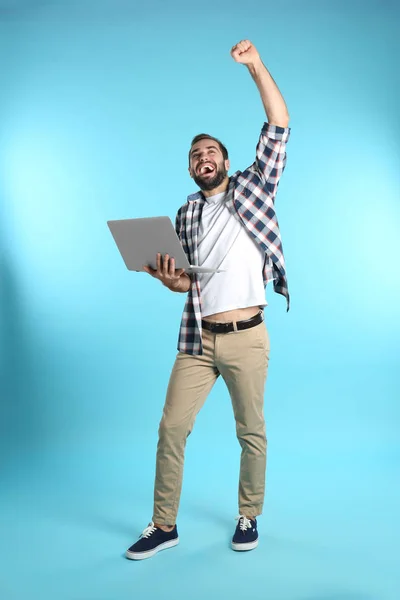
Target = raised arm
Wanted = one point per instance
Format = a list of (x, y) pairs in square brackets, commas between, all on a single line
[(275, 107), (271, 148)]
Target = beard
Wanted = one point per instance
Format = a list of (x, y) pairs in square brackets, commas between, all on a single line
[(207, 184)]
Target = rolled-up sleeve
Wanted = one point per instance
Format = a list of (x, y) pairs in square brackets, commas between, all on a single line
[(271, 155)]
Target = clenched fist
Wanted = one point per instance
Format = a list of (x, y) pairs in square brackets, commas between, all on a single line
[(245, 53)]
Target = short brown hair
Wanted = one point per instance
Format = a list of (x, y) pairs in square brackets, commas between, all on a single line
[(205, 136)]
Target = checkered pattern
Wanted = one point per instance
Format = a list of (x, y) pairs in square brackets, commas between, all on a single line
[(250, 198)]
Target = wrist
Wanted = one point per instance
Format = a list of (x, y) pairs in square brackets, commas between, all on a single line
[(255, 67)]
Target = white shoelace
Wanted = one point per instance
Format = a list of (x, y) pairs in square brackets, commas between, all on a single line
[(148, 531), (244, 522)]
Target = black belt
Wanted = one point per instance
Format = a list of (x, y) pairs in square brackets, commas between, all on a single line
[(227, 327)]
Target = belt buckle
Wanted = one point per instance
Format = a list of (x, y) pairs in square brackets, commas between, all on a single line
[(211, 326), (220, 327)]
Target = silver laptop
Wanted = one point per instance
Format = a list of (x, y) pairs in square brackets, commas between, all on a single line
[(139, 240)]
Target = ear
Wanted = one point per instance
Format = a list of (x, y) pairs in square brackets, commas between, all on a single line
[(227, 165), (190, 172)]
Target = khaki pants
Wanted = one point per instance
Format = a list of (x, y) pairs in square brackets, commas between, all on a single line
[(241, 357)]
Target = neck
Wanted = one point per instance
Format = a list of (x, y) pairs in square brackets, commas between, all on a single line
[(218, 190)]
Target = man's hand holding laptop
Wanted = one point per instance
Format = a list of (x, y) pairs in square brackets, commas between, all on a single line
[(175, 280)]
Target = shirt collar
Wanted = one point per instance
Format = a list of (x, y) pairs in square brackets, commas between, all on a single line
[(197, 196)]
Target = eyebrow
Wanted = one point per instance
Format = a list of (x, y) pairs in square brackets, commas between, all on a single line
[(198, 149)]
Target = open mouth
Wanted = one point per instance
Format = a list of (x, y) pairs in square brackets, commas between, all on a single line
[(207, 169)]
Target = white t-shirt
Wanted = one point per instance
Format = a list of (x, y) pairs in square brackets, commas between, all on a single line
[(225, 243)]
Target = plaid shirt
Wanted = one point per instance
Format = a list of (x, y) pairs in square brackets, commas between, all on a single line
[(251, 195)]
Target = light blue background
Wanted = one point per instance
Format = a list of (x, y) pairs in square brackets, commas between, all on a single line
[(99, 101)]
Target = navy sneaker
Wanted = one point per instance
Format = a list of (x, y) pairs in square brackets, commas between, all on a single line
[(152, 541), (246, 534)]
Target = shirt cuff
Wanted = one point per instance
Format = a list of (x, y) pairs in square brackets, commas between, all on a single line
[(275, 132)]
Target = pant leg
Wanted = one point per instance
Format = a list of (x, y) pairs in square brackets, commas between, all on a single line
[(191, 381), (242, 359)]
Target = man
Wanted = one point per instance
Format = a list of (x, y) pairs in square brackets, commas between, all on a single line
[(229, 224)]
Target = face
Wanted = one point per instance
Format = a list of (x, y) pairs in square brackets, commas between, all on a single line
[(207, 165)]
